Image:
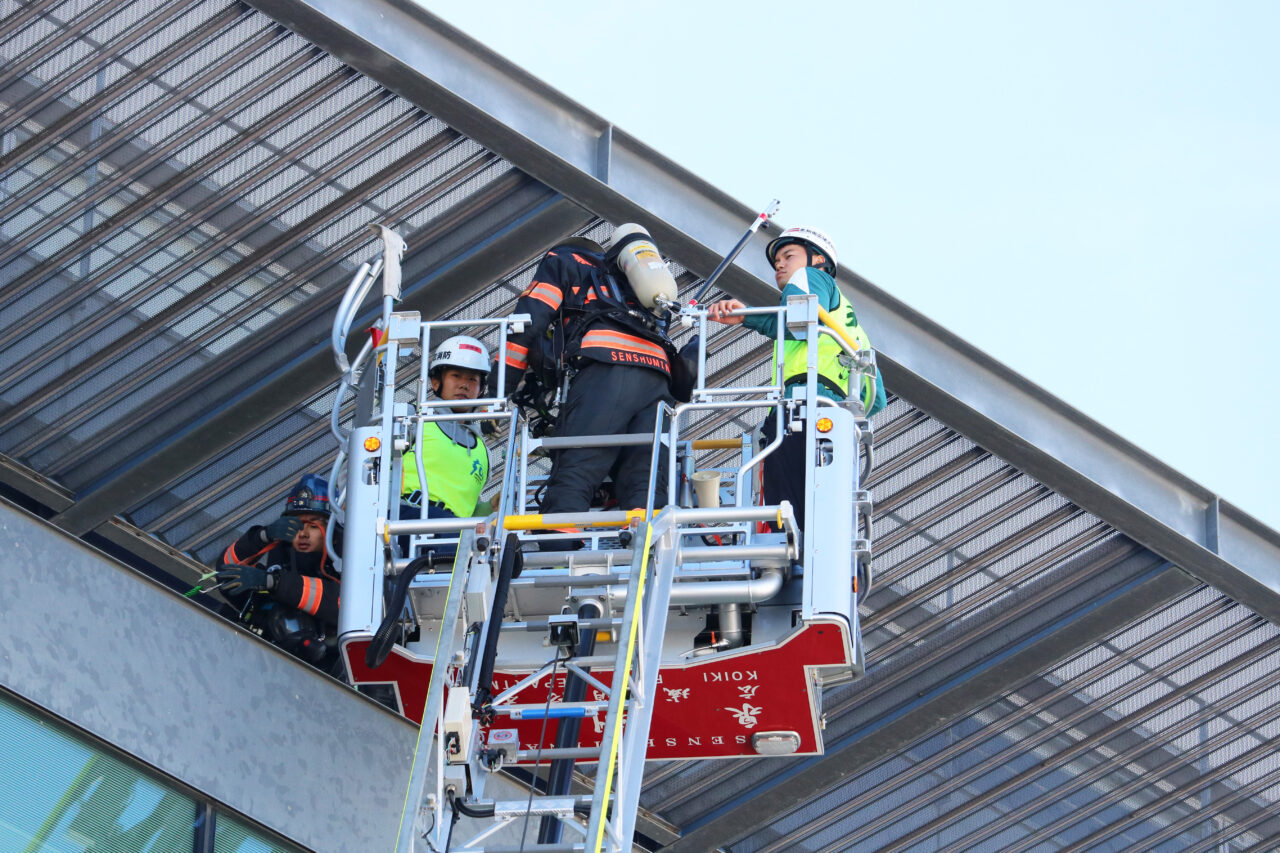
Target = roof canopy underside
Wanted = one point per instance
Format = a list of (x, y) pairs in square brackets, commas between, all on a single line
[(1055, 660)]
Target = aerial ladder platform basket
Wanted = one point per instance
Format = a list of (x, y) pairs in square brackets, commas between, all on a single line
[(704, 625)]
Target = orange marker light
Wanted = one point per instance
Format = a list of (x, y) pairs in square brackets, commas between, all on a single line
[(824, 424), (372, 443)]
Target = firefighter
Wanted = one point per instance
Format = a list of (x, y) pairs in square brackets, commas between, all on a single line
[(590, 329), (283, 581), (804, 262)]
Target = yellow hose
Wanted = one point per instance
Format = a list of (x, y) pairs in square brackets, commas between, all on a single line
[(867, 396)]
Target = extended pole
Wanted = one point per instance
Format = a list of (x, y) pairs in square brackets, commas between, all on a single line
[(764, 216)]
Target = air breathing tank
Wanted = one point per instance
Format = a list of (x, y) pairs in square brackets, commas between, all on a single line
[(644, 268)]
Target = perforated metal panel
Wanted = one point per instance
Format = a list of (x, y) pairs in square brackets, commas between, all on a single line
[(177, 201), (184, 190)]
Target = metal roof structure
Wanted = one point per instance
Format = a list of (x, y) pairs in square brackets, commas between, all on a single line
[(1071, 646)]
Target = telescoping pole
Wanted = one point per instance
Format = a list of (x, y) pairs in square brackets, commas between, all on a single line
[(764, 216)]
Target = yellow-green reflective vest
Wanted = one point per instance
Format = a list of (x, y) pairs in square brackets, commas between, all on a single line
[(456, 475), (832, 374)]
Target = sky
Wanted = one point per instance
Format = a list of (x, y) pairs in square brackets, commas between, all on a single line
[(1088, 192)]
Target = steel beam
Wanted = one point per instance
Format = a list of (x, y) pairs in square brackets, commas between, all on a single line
[(117, 531), (937, 699), (454, 269), (609, 172)]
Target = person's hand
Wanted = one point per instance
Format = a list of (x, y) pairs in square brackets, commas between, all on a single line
[(283, 529), (495, 502), (234, 577), (720, 312)]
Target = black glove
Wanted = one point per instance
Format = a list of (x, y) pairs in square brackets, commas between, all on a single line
[(283, 529), (237, 578)]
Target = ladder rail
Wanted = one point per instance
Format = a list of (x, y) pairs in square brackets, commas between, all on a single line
[(427, 751), (612, 741)]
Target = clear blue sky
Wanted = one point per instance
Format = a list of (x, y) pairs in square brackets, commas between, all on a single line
[(1089, 192)]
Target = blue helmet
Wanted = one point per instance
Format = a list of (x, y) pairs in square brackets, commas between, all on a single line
[(310, 495)]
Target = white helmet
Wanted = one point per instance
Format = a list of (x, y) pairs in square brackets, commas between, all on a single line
[(463, 352), (815, 240)]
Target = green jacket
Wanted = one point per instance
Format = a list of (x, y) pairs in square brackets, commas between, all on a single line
[(833, 377)]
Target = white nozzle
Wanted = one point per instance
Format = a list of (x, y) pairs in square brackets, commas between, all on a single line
[(643, 266), (392, 251), (706, 485)]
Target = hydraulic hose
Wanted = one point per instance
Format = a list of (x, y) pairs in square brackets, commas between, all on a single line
[(511, 566), (384, 637), (481, 811)]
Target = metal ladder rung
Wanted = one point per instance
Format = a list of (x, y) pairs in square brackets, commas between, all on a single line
[(564, 806), (577, 753), (538, 848)]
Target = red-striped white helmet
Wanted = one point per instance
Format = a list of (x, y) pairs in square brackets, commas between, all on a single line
[(463, 352), (816, 241)]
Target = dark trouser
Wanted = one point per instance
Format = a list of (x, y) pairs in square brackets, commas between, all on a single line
[(608, 399), (408, 511), (784, 468)]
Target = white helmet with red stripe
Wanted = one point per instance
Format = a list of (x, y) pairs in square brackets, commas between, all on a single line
[(463, 352), (817, 242)]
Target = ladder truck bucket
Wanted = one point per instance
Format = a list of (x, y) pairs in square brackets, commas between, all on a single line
[(616, 632)]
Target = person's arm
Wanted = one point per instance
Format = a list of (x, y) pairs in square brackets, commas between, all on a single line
[(541, 300), (259, 539), (802, 282), (246, 550), (316, 596)]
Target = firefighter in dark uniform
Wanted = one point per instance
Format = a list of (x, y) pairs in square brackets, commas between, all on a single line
[(282, 580), (589, 326)]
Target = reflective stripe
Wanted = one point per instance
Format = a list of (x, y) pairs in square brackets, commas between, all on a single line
[(516, 356), (547, 294), (610, 339), (311, 593)]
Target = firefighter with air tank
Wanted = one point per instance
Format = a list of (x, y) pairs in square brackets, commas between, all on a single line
[(594, 325)]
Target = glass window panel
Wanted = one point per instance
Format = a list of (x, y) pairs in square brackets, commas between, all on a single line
[(61, 795), (233, 836)]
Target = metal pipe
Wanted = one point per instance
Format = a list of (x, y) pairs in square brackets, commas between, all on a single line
[(748, 389), (431, 525), (535, 625), (620, 440), (716, 443), (750, 591), (731, 625), (577, 752), (560, 779)]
